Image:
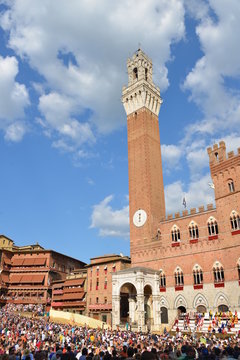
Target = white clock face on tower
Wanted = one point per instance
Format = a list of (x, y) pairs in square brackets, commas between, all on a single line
[(139, 218)]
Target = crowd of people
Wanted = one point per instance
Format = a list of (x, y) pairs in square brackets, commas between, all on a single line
[(30, 338), (218, 322)]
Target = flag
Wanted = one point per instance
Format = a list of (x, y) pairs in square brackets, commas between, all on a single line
[(184, 203)]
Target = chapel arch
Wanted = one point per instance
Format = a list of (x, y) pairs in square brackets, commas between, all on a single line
[(128, 303)]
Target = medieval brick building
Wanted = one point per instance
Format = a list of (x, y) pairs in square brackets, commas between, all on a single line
[(182, 262), (28, 272)]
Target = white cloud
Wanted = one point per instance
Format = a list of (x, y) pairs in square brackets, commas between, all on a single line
[(197, 193), (15, 131), (58, 110), (218, 36), (13, 100), (82, 50), (110, 222), (171, 155)]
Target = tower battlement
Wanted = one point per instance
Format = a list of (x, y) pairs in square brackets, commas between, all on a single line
[(217, 153)]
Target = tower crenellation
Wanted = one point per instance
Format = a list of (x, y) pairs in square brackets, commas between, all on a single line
[(217, 153)]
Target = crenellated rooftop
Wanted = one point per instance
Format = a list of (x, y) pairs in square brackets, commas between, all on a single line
[(192, 211)]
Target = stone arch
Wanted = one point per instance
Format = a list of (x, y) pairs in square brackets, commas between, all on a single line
[(125, 282), (221, 299), (163, 302), (200, 299), (180, 301), (150, 284)]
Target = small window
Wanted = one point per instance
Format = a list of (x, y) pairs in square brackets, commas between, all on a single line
[(105, 270), (218, 273), (135, 73), (197, 275), (193, 230), (97, 270), (212, 226), (90, 287), (97, 284), (179, 280), (97, 300), (235, 221), (231, 187), (105, 300), (105, 283), (162, 280), (146, 74), (175, 232)]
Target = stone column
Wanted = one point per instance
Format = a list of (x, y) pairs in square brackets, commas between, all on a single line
[(140, 312), (115, 311), (132, 307), (156, 312)]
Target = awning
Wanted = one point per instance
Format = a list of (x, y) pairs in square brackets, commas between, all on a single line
[(100, 307), (29, 278), (15, 279), (4, 278), (74, 282), (40, 261), (73, 296), (28, 262), (38, 279), (17, 262), (73, 290), (7, 261)]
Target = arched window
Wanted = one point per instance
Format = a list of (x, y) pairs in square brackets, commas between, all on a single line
[(212, 226), (218, 272), (135, 73), (162, 279), (179, 280), (231, 187), (193, 230), (175, 232), (197, 275), (235, 220)]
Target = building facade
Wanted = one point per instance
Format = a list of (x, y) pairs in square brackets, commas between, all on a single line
[(187, 261), (99, 287), (70, 294), (28, 272)]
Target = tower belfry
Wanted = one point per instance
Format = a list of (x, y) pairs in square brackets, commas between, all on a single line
[(142, 101)]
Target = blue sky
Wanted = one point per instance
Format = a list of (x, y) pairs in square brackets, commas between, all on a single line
[(63, 140)]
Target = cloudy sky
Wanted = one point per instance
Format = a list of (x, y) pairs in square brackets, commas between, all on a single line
[(63, 140)]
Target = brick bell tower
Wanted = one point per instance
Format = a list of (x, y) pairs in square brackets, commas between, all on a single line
[(142, 102)]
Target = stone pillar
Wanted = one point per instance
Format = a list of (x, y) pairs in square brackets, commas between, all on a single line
[(115, 311), (132, 307), (140, 312), (156, 312)]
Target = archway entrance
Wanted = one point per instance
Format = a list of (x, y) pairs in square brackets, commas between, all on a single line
[(201, 309), (181, 310), (164, 315), (128, 295), (223, 308), (148, 306)]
